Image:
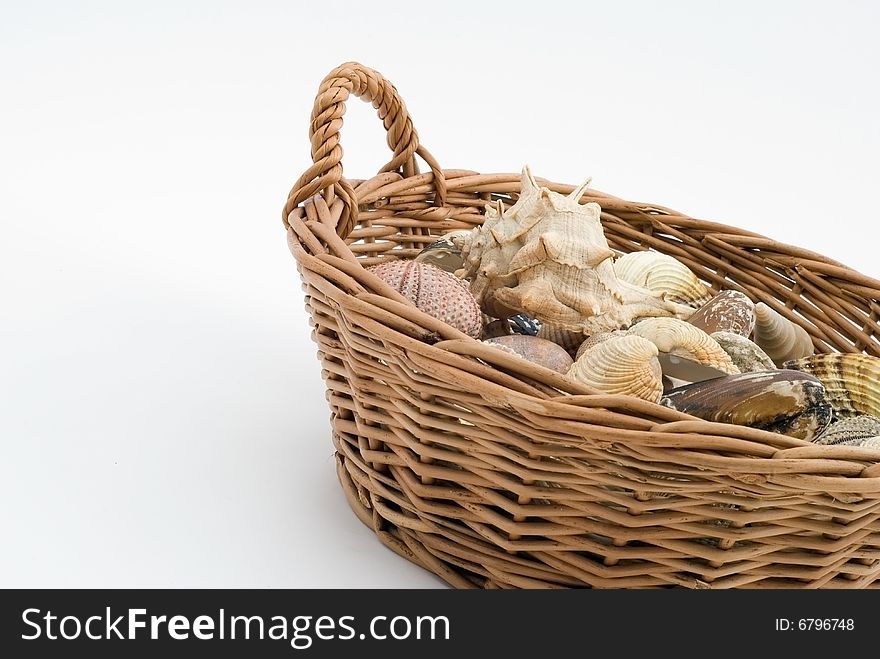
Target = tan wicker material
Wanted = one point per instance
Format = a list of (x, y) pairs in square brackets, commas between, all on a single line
[(494, 472)]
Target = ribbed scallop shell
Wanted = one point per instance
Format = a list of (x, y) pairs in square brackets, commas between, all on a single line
[(435, 291), (746, 355), (728, 311), (783, 401), (536, 350), (662, 273), (779, 337), (852, 380), (681, 339), (595, 339), (621, 365), (853, 430)]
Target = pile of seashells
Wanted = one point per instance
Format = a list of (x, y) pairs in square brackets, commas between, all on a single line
[(539, 280)]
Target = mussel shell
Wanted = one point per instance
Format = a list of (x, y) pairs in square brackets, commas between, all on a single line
[(788, 402)]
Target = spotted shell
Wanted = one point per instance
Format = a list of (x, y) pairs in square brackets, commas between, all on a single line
[(436, 292), (784, 401), (852, 430), (744, 353), (662, 273), (686, 352), (852, 380), (621, 365), (728, 311), (537, 350), (779, 337)]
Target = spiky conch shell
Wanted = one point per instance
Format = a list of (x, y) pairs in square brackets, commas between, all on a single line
[(852, 380), (547, 256), (436, 292), (779, 337), (662, 273), (621, 365), (678, 337)]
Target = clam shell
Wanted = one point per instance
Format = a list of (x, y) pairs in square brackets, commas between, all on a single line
[(596, 339), (662, 273), (788, 402), (745, 354), (686, 352), (779, 337), (537, 350), (870, 442), (436, 292), (852, 430), (728, 311), (621, 365), (852, 380)]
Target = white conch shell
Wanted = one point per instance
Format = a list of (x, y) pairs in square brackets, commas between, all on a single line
[(547, 256), (696, 355), (663, 274), (779, 337), (621, 365)]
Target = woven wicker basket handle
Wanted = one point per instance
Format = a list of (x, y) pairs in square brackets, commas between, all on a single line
[(325, 175)]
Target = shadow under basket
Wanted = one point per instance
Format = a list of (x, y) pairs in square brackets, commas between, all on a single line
[(493, 472)]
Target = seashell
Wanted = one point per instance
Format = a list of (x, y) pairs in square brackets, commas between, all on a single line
[(444, 253), (537, 350), (436, 292), (779, 337), (518, 324), (547, 256), (852, 380), (746, 355), (686, 352), (568, 339), (788, 402), (595, 339), (621, 365), (870, 442), (728, 311), (663, 274), (852, 430)]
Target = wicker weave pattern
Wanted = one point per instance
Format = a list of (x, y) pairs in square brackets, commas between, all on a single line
[(493, 472)]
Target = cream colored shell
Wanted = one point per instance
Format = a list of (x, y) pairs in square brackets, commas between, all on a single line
[(547, 256), (779, 337), (662, 273), (621, 365), (596, 339), (677, 337)]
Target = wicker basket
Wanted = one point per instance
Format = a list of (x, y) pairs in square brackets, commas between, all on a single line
[(492, 472)]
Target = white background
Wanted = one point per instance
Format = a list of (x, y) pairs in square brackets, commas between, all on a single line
[(162, 416)]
